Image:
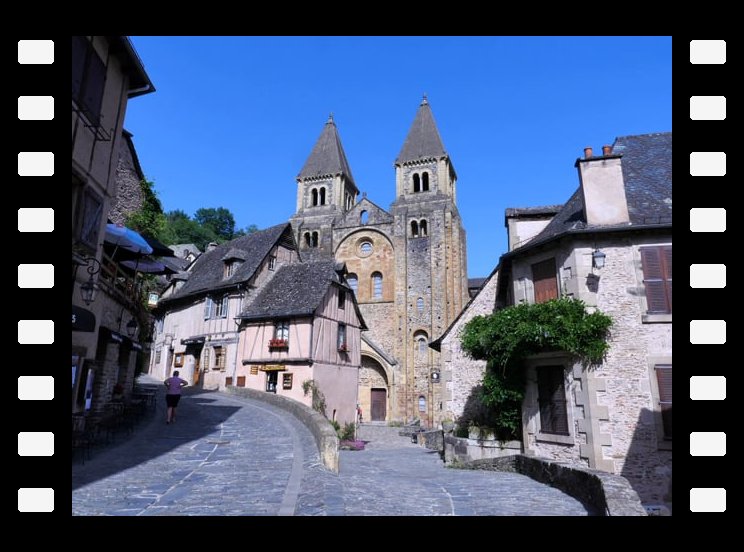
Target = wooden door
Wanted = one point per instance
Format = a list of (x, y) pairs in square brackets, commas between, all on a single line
[(379, 407), (197, 359)]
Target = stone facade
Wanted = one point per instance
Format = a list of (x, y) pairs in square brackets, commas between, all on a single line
[(408, 265), (459, 372), (129, 196)]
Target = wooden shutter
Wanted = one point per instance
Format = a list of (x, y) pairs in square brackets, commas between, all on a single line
[(545, 281), (552, 400), (657, 278), (664, 378), (95, 79)]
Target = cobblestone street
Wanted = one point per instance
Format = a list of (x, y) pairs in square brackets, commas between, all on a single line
[(232, 456)]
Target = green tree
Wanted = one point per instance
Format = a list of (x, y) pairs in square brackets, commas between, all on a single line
[(245, 231), (217, 219), (180, 228)]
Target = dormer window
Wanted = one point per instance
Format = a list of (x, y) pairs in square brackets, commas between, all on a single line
[(272, 262), (230, 267)]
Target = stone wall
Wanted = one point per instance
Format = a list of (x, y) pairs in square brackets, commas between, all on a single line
[(602, 493), (459, 449), (129, 194), (460, 373), (323, 432)]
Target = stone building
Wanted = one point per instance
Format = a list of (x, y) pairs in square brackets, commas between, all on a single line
[(609, 245), (106, 73), (407, 266)]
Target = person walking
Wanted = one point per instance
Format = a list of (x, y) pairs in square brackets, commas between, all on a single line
[(173, 386)]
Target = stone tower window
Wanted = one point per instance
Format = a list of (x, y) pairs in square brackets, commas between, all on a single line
[(377, 285), (421, 340), (308, 243), (423, 228), (425, 182), (422, 403), (314, 196), (363, 217), (414, 229), (365, 249), (420, 305), (353, 282), (314, 240), (416, 183), (322, 196)]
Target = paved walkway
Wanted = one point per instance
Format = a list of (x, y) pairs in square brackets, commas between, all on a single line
[(231, 456)]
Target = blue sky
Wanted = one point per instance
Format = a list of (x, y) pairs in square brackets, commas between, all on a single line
[(234, 118)]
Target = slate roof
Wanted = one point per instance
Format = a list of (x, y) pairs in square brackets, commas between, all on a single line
[(296, 290), (327, 156), (423, 140), (532, 211), (181, 248), (476, 282), (647, 175), (207, 272)]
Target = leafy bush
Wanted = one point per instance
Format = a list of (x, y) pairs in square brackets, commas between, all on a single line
[(336, 426), (347, 433)]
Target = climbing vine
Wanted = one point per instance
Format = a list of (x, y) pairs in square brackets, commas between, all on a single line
[(506, 337), (319, 402)]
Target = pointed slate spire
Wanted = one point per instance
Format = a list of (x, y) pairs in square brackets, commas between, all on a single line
[(327, 157), (423, 139)]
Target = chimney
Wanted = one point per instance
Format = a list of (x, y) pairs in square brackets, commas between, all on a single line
[(211, 245), (603, 188)]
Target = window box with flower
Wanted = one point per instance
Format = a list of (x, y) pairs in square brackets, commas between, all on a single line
[(278, 344)]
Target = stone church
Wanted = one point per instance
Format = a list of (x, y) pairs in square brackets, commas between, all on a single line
[(407, 265)]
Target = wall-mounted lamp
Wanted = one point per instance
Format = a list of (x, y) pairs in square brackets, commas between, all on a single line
[(132, 327), (89, 289), (435, 377), (598, 259)]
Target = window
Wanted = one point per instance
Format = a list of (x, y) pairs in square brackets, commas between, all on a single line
[(363, 217), (230, 268), (365, 248), (425, 182), (314, 239), (657, 278), (307, 239), (314, 196), (414, 229), (545, 281), (287, 381), (281, 331), (353, 282), (341, 338), (551, 398), (322, 196), (88, 79), (423, 228), (90, 225), (377, 285), (158, 355), (219, 358), (178, 360), (342, 298), (207, 308), (421, 341), (222, 307), (416, 183), (422, 403), (205, 356), (664, 379), (272, 262), (420, 305)]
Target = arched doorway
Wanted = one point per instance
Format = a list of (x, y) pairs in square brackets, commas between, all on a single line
[(373, 390)]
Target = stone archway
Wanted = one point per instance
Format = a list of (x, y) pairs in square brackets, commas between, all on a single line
[(374, 390)]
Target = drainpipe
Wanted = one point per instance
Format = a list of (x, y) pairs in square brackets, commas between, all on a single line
[(237, 334)]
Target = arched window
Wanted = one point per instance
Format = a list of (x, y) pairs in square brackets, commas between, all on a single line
[(377, 285), (414, 229), (365, 248), (416, 183), (314, 195), (363, 217), (422, 403), (322, 196), (423, 228), (420, 305), (307, 239), (315, 239), (425, 182), (353, 282), (421, 342)]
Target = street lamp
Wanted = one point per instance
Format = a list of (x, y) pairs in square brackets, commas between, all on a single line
[(132, 327), (89, 289), (598, 259)]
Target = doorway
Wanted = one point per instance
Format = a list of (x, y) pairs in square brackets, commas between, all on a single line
[(379, 405)]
